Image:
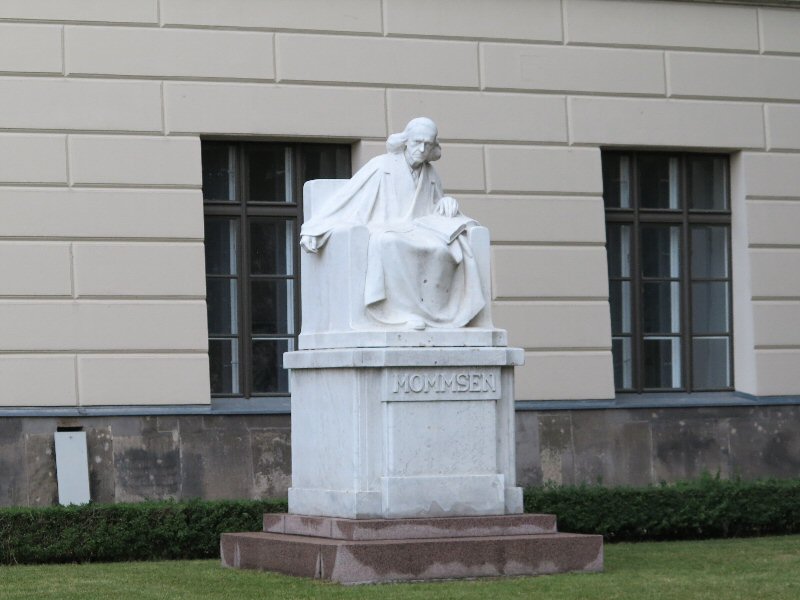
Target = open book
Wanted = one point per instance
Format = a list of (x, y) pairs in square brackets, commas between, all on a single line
[(447, 228)]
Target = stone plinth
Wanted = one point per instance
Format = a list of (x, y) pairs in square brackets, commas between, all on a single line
[(380, 550), (403, 432)]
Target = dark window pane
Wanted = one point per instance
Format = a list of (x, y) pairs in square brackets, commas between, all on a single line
[(707, 183), (662, 362), (660, 249), (222, 306), (617, 180), (619, 250), (268, 372), (661, 307), (621, 303), (677, 299), (709, 251), (658, 181), (268, 173), (255, 173), (711, 365), (325, 162), (710, 307), (271, 247), (272, 306), (218, 159), (623, 363), (221, 243), (223, 360)]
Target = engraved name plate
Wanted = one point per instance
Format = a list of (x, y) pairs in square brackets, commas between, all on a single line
[(456, 383)]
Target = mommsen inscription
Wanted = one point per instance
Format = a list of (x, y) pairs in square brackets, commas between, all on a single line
[(440, 383)]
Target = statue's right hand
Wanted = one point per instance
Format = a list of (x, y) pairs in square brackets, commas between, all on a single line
[(448, 206), (309, 243)]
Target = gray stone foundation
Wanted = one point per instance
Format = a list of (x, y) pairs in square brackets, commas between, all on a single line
[(134, 458), (643, 446)]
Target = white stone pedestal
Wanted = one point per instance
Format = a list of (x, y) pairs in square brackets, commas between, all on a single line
[(403, 432)]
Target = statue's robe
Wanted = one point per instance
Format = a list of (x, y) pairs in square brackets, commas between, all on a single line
[(414, 273)]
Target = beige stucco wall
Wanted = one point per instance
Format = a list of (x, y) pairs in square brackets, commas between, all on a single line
[(102, 105)]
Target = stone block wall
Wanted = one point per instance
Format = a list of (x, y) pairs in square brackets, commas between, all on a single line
[(649, 446), (132, 458), (104, 105)]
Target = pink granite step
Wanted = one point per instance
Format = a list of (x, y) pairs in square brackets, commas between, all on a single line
[(402, 529), (371, 561), (378, 550)]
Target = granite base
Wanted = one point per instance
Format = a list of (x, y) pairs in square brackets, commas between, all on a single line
[(354, 551)]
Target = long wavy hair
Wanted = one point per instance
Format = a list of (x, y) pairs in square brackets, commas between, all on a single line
[(396, 143)]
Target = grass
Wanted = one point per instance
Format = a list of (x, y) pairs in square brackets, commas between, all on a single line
[(716, 569)]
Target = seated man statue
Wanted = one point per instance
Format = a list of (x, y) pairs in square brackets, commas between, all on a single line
[(421, 271)]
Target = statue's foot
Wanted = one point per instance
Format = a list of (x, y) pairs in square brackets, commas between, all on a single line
[(417, 324)]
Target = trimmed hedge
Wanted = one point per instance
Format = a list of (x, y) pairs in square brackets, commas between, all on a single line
[(120, 532), (181, 530), (708, 508)]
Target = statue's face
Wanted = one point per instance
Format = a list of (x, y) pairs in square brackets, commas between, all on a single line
[(420, 145)]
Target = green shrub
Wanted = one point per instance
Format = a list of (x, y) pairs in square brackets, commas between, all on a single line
[(117, 532), (708, 508)]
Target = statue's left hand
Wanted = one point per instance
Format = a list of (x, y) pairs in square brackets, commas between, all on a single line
[(309, 243), (448, 207)]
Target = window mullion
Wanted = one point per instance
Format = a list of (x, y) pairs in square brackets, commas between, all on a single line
[(298, 170), (638, 342), (284, 209), (729, 272), (686, 282), (244, 334), (220, 210)]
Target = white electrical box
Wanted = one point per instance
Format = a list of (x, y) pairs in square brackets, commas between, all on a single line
[(72, 467)]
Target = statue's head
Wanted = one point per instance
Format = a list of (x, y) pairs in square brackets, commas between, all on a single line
[(418, 141)]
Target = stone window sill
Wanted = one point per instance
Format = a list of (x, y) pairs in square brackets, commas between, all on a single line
[(660, 400)]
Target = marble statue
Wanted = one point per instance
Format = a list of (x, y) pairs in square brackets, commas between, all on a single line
[(402, 388), (421, 271), (402, 393)]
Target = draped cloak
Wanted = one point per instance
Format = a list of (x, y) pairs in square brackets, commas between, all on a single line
[(413, 272)]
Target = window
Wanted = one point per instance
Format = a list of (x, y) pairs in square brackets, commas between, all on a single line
[(668, 245), (253, 210)]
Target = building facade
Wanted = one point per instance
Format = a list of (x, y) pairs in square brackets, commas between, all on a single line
[(636, 161)]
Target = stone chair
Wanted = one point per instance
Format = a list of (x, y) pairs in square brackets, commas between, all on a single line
[(332, 294)]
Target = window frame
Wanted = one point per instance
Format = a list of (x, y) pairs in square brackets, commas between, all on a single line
[(685, 218), (245, 213)]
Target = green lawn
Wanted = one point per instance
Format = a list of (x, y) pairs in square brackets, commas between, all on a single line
[(715, 569)]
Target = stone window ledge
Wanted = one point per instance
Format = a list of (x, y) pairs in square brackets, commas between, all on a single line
[(281, 405), (660, 400), (219, 406)]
